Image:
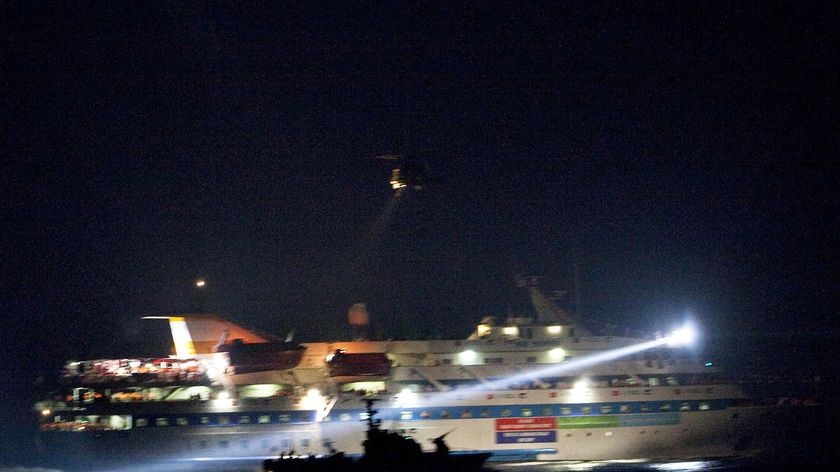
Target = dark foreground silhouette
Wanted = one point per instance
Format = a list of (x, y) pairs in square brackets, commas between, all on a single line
[(384, 451)]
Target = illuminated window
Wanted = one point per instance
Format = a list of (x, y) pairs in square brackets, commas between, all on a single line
[(665, 407), (425, 414), (507, 412), (685, 406), (284, 418), (468, 356), (624, 409), (264, 419), (585, 410), (204, 420), (405, 415), (161, 422), (181, 421), (141, 422), (466, 414), (445, 414), (344, 417), (510, 331), (553, 330), (704, 406), (565, 410), (606, 409), (646, 408), (244, 419), (527, 412)]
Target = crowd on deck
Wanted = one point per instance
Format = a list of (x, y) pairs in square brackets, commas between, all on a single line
[(166, 370)]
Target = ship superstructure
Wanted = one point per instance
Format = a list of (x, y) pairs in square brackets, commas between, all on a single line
[(521, 388)]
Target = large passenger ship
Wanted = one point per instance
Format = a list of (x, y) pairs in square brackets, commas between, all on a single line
[(535, 388)]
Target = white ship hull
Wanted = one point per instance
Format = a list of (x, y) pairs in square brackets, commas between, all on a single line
[(523, 391), (721, 430)]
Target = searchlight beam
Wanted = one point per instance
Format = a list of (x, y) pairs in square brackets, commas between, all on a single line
[(683, 336)]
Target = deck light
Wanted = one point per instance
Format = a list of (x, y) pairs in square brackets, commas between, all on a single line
[(557, 354), (468, 356)]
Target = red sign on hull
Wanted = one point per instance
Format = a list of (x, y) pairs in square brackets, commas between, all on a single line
[(525, 424)]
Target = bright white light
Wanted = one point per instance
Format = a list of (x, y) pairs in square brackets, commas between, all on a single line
[(313, 400), (581, 384), (468, 356), (46, 412), (510, 331), (223, 395), (555, 330), (557, 354), (682, 337), (406, 398), (200, 283), (693, 465)]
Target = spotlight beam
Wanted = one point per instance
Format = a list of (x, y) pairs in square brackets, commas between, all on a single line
[(442, 398), (565, 366)]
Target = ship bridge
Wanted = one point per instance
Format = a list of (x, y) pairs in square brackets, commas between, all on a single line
[(521, 328)]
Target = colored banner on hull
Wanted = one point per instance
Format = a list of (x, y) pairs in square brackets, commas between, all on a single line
[(613, 421), (524, 424), (655, 419), (524, 437), (582, 422), (543, 429)]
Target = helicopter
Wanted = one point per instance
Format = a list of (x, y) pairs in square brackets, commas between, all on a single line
[(408, 173)]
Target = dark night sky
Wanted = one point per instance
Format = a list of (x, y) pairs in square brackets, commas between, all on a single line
[(688, 148)]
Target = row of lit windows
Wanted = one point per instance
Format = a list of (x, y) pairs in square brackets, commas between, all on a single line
[(524, 411), (597, 381), (224, 419), (285, 444), (432, 413)]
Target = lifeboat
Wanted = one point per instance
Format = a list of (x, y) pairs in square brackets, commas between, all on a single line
[(257, 357), (345, 367)]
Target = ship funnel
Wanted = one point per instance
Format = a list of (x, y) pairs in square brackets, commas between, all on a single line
[(359, 319)]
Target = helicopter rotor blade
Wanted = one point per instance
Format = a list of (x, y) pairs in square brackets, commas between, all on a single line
[(389, 157)]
